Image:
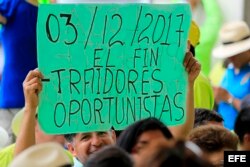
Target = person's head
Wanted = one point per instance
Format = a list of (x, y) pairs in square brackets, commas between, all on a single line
[(178, 154), (193, 3), (213, 140), (110, 156), (41, 155), (205, 116), (138, 135), (241, 59), (194, 37), (235, 38), (242, 128), (82, 145)]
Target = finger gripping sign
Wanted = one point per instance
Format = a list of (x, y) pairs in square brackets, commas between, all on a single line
[(111, 65)]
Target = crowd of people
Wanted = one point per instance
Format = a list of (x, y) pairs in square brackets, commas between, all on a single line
[(217, 117)]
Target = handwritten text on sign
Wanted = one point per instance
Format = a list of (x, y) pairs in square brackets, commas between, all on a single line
[(110, 65)]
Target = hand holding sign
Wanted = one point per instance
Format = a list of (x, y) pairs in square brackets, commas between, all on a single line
[(32, 86), (110, 67), (192, 66)]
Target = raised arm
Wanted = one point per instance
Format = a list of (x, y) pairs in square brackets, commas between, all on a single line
[(193, 68), (32, 85)]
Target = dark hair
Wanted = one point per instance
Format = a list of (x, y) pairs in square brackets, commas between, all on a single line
[(69, 137), (179, 156), (109, 156), (67, 165), (242, 123), (192, 50), (213, 138), (130, 135), (202, 116)]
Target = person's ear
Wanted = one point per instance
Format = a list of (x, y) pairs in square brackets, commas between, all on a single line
[(113, 136), (71, 148)]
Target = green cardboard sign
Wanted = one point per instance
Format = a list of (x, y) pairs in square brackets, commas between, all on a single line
[(111, 65)]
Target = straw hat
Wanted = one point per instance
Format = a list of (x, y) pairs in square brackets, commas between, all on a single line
[(42, 155), (235, 38), (194, 34)]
